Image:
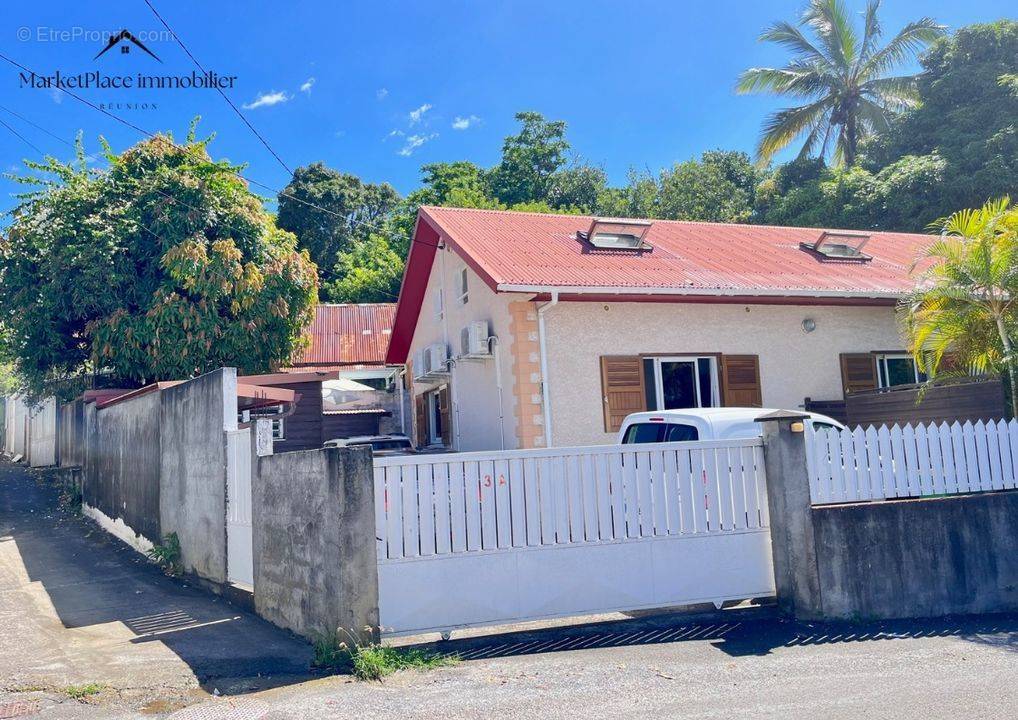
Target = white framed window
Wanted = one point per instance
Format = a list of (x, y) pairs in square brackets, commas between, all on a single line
[(897, 369), (439, 305), (681, 381), (463, 289)]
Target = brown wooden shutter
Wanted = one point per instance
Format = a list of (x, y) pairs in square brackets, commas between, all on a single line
[(740, 381), (445, 410), (421, 414), (858, 372), (622, 389)]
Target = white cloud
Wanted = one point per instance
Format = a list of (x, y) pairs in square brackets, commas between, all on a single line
[(415, 116), (381, 93), (393, 133), (308, 84), (339, 133), (415, 141), (462, 123), (56, 95), (267, 100)]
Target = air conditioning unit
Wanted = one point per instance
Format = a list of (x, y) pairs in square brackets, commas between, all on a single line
[(420, 364), (436, 360), (474, 339)]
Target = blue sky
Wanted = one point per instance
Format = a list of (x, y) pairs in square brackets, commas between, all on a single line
[(389, 86)]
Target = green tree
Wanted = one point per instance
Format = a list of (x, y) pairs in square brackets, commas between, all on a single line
[(328, 210), (841, 75), (370, 271), (965, 122), (529, 160), (718, 188), (163, 266), (966, 304)]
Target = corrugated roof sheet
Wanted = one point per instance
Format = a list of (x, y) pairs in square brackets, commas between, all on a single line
[(534, 249), (348, 335)]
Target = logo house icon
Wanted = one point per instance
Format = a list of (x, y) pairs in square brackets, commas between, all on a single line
[(127, 39)]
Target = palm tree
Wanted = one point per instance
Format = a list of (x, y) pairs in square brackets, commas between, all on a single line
[(966, 303), (842, 76)]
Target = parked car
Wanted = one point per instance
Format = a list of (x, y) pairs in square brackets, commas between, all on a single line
[(381, 445), (717, 423)]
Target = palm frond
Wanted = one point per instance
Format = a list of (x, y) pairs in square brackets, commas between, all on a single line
[(871, 32), (910, 40), (873, 116), (832, 25), (782, 127), (789, 36), (897, 93)]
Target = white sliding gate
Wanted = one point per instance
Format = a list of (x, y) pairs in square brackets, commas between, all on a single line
[(239, 551), (920, 461), (487, 538), (42, 433)]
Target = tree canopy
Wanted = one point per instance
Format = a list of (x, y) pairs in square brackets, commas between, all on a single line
[(162, 266)]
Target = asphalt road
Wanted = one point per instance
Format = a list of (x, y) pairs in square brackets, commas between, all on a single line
[(743, 663)]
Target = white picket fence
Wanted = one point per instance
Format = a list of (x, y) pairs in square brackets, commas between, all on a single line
[(920, 461), (485, 538)]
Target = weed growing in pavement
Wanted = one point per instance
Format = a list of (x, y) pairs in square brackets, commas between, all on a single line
[(83, 692), (372, 661), (70, 500), (167, 554)]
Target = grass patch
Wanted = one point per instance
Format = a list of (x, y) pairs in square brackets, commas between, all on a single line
[(167, 554), (373, 662), (83, 692)]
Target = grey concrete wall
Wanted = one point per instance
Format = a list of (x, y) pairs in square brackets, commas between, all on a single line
[(71, 434), (919, 558), (315, 556), (192, 466), (122, 478)]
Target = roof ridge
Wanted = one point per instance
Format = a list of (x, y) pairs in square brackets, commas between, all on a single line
[(493, 211)]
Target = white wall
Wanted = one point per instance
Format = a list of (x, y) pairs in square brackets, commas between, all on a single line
[(475, 394), (793, 364)]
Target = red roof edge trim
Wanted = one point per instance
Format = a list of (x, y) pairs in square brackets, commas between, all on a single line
[(485, 273), (411, 293)]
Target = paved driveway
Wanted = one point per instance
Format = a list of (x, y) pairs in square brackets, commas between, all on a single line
[(78, 607), (730, 664)]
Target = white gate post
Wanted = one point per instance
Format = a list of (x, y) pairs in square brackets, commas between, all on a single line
[(796, 576)]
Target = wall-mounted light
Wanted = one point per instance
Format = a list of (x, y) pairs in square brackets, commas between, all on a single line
[(809, 325)]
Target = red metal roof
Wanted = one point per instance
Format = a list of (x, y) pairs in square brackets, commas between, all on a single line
[(706, 262), (348, 335), (533, 249)]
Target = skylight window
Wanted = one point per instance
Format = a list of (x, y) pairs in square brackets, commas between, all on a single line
[(611, 234), (839, 246)]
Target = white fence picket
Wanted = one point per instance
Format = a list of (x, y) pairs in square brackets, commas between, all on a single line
[(912, 461)]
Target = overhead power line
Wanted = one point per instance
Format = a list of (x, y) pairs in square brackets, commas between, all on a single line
[(218, 89), (21, 137)]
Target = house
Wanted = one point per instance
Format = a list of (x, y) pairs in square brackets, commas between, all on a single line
[(525, 330), (363, 395)]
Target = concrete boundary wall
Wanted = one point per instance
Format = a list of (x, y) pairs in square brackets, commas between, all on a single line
[(155, 464), (315, 556), (916, 557), (919, 558)]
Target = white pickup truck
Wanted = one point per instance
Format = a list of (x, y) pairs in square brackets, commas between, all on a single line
[(720, 423)]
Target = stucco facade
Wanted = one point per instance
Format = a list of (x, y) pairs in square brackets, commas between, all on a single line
[(473, 384), (794, 364)]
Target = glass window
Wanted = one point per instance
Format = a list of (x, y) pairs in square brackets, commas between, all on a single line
[(676, 383), (893, 370), (463, 286), (681, 433), (655, 432), (645, 433)]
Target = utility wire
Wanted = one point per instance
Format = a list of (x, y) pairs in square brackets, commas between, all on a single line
[(159, 191), (21, 137), (218, 89)]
